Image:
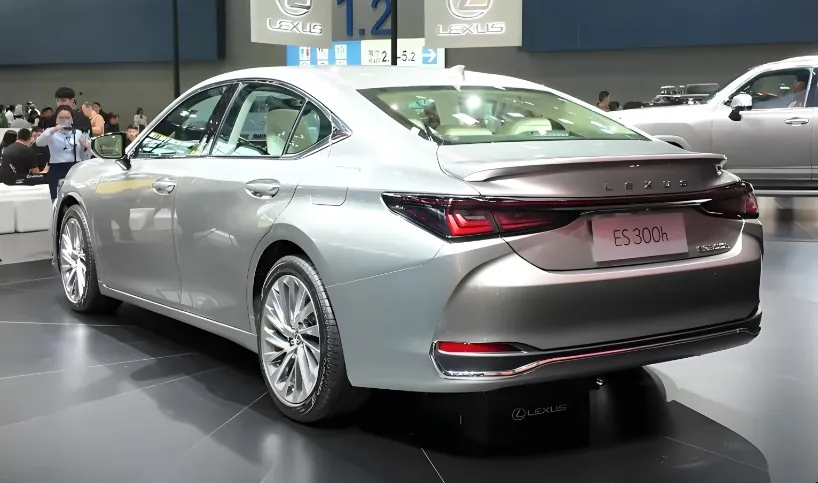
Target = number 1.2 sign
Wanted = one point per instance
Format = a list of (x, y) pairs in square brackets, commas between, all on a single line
[(377, 28)]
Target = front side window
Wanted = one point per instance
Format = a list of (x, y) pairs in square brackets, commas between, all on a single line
[(268, 120), (181, 133), (470, 115), (778, 89)]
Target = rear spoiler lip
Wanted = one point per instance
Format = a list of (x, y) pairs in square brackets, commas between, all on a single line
[(504, 169)]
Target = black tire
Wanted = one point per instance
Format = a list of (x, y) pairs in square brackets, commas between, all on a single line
[(333, 395), (92, 301)]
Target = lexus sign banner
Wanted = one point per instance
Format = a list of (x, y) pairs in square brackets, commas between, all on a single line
[(291, 22), (473, 23)]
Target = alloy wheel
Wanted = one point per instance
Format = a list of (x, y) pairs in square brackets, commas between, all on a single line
[(291, 340), (73, 260)]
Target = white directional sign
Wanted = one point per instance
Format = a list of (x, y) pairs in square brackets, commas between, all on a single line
[(368, 52), (410, 52)]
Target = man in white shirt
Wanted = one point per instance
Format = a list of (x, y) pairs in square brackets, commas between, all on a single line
[(799, 94), (19, 119), (9, 113)]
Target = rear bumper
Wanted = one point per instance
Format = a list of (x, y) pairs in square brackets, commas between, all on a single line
[(484, 292), (599, 358)]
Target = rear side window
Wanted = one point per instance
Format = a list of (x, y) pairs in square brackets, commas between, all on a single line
[(269, 120), (473, 115), (312, 128)]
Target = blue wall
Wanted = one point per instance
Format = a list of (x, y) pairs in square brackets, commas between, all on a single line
[(109, 31), (574, 25)]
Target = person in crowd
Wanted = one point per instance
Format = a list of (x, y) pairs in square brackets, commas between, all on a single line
[(42, 151), (31, 107), (4, 123), (33, 116), (96, 120), (65, 96), (19, 121), (799, 93), (113, 123), (604, 101), (98, 108), (10, 113), (9, 137), (45, 115), (19, 161), (131, 134), (67, 146), (140, 119), (613, 106)]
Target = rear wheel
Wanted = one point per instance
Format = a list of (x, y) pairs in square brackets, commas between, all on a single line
[(300, 347), (78, 268)]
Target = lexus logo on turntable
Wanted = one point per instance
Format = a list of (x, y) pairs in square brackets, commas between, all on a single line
[(295, 10), (470, 12), (521, 413)]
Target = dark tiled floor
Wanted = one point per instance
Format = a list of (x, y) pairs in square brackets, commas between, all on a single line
[(141, 398)]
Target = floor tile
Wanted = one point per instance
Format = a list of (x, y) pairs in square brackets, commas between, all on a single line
[(44, 394), (261, 445), (121, 436)]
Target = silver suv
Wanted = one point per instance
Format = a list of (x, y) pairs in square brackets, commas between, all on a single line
[(762, 120)]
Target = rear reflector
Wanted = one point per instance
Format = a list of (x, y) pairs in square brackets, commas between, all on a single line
[(476, 347), (458, 217)]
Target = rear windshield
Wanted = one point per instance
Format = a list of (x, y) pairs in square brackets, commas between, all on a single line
[(473, 115)]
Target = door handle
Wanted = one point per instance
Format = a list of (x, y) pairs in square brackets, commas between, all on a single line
[(164, 186), (262, 188), (796, 121)]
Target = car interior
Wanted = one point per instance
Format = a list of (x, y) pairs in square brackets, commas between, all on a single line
[(777, 89), (263, 121), (495, 114)]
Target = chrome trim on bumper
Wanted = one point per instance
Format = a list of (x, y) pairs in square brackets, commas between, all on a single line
[(550, 358)]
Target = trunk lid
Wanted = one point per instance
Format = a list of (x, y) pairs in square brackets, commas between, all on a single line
[(639, 171)]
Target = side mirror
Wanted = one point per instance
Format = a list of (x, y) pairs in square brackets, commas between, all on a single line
[(740, 102), (111, 146)]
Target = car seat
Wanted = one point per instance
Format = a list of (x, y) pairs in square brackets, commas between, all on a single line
[(279, 126)]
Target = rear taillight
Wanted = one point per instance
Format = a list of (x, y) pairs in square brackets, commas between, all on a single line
[(461, 217), (735, 201), (458, 217), (476, 347)]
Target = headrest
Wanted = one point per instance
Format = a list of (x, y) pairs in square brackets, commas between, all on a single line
[(463, 131), (279, 124), (532, 124)]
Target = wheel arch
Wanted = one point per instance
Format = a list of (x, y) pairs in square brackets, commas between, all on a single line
[(282, 240), (68, 200)]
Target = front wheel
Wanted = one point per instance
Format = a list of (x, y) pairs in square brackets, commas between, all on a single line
[(78, 267), (300, 347)]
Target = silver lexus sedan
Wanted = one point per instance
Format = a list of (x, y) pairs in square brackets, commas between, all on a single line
[(412, 229)]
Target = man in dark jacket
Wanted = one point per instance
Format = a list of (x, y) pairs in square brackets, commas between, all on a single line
[(66, 96), (43, 154)]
